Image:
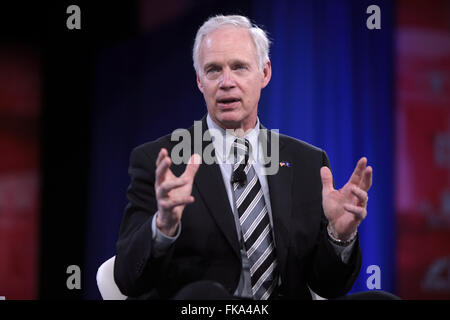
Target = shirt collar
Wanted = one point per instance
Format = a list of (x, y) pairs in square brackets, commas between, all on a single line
[(223, 140)]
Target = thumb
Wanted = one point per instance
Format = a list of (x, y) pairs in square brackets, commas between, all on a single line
[(327, 179), (194, 163)]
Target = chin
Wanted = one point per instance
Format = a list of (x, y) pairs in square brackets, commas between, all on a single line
[(230, 121)]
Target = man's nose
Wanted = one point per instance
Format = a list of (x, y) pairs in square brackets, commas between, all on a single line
[(227, 80)]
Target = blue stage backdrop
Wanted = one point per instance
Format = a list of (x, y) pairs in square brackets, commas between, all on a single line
[(332, 86)]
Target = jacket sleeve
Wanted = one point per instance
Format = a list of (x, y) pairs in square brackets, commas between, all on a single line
[(329, 276), (136, 271)]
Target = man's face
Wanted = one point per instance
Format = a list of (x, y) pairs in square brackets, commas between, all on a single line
[(230, 77)]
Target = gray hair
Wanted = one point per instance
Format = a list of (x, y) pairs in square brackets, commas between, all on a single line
[(258, 36)]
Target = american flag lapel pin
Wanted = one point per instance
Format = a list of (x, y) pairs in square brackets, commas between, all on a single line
[(285, 164)]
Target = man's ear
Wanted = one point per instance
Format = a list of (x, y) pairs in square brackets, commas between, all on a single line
[(199, 83), (267, 74)]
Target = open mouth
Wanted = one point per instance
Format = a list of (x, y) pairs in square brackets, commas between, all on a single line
[(227, 102)]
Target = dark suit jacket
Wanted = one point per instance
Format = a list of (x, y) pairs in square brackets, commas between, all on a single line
[(208, 247)]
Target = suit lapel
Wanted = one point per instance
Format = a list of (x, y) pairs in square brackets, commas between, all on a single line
[(280, 189), (209, 183)]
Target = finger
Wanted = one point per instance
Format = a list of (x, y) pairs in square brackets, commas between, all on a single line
[(359, 212), (161, 155), (361, 195), (327, 179), (168, 205), (192, 166), (167, 186), (366, 181), (161, 170), (358, 172)]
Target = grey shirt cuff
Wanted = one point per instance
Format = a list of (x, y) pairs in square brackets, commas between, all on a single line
[(160, 241), (344, 252)]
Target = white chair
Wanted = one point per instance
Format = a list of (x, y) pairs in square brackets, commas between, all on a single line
[(106, 283), (315, 296), (109, 290)]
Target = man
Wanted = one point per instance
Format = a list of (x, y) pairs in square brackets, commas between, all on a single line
[(254, 235)]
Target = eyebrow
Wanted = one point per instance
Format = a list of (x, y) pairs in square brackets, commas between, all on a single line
[(232, 62), (238, 61)]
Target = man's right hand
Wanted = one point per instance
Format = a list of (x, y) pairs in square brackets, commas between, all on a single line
[(173, 193)]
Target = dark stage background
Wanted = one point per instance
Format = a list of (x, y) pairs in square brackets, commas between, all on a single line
[(74, 103)]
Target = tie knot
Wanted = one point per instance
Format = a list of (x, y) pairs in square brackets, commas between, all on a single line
[(241, 150)]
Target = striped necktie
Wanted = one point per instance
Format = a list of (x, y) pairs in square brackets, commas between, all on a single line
[(255, 222)]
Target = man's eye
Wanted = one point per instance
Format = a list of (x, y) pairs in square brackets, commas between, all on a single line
[(212, 70), (239, 67)]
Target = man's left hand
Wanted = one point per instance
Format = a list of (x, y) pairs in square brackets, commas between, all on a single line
[(347, 207)]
